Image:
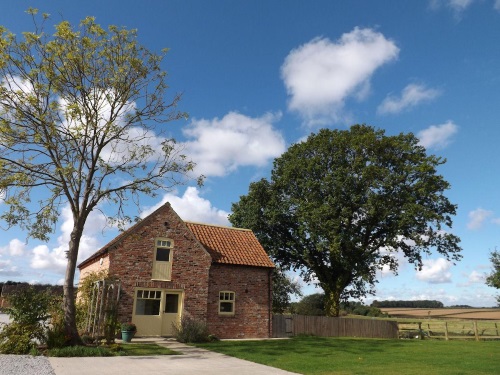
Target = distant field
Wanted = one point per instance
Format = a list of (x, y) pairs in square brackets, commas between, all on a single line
[(480, 314)]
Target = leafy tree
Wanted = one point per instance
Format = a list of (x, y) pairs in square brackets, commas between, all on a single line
[(493, 279), (283, 288), (78, 115), (312, 304), (339, 205)]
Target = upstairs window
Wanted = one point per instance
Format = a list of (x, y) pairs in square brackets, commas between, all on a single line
[(162, 262), (226, 303)]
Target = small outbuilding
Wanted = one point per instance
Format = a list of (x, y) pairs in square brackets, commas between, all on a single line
[(169, 268)]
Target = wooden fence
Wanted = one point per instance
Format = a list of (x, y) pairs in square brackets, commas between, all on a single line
[(452, 329), (291, 325)]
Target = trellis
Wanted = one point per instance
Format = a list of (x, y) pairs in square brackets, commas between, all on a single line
[(103, 309)]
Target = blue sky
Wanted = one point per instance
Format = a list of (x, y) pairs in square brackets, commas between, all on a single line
[(257, 76)]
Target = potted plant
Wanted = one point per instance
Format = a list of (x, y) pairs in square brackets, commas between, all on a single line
[(128, 331)]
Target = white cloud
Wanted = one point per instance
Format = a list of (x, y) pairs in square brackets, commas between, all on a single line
[(437, 136), (14, 248), (192, 207), (222, 145), (477, 277), (55, 260), (320, 75), (457, 6), (496, 5), (435, 271), (411, 96), (478, 217), (7, 269)]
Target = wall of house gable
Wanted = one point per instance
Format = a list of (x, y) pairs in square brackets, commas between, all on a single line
[(252, 318), (132, 260), (96, 266)]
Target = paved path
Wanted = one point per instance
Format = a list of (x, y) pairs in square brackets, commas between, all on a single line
[(192, 361)]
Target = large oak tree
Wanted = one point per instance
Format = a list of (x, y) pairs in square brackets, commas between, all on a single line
[(341, 204), (81, 124)]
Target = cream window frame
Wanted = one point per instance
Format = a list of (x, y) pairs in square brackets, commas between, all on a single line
[(227, 297)]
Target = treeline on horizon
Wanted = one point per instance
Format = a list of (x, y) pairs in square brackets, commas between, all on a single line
[(9, 287), (419, 304)]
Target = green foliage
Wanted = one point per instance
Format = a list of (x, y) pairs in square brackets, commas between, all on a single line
[(313, 304), (129, 327), (191, 330), (493, 279), (16, 338), (34, 315), (357, 308), (78, 114), (132, 349), (86, 289), (80, 351), (283, 288), (341, 203)]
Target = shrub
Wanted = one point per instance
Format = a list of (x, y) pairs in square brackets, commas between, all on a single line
[(191, 330), (31, 313), (16, 338), (129, 327)]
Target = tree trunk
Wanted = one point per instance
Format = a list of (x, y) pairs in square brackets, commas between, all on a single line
[(332, 302), (72, 336)]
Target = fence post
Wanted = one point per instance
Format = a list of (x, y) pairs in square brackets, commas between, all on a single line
[(496, 328), (446, 331), (475, 330)]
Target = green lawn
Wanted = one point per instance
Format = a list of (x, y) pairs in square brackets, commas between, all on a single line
[(325, 355)]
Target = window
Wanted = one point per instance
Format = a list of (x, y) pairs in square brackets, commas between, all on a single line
[(171, 303), (226, 303), (148, 302), (162, 261)]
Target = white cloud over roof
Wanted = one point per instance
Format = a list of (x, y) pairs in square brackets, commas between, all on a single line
[(220, 146), (412, 95), (320, 75), (192, 207)]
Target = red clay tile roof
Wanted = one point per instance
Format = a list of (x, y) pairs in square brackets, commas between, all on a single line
[(231, 245)]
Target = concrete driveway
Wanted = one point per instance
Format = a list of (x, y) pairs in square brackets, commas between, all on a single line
[(192, 361)]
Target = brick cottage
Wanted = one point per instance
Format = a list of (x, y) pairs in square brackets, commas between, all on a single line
[(169, 268)]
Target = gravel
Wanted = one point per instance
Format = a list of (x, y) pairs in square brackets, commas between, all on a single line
[(24, 365)]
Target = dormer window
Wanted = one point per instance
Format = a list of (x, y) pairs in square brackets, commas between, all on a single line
[(162, 262)]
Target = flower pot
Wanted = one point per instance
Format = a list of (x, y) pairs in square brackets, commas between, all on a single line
[(127, 336)]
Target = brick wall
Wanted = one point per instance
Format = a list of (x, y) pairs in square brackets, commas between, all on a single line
[(132, 260), (252, 301)]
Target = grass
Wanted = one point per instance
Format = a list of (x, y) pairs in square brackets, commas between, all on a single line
[(132, 349), (327, 355)]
